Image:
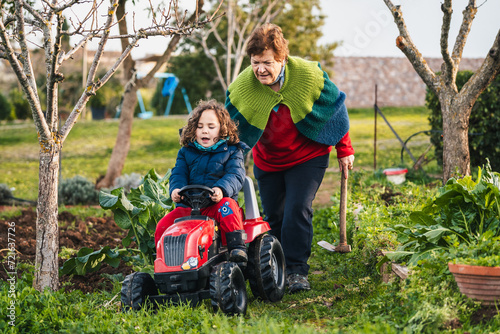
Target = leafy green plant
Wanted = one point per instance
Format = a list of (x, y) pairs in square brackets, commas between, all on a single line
[(464, 212), (138, 212), (485, 253), (87, 260), (78, 190)]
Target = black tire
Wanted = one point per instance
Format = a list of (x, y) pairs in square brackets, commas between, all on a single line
[(266, 268), (136, 288), (228, 289)]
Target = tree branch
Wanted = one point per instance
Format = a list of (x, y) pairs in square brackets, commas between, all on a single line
[(91, 86), (31, 95), (469, 13), (172, 45), (268, 16), (489, 69), (406, 45), (448, 68), (25, 55)]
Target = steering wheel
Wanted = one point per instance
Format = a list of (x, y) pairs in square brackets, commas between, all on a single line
[(196, 197)]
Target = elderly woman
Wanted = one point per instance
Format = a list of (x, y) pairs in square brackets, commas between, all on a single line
[(291, 114)]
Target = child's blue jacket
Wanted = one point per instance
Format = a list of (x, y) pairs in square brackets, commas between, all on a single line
[(224, 168)]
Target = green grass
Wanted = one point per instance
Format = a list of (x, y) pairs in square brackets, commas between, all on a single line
[(154, 144), (347, 296), (86, 152)]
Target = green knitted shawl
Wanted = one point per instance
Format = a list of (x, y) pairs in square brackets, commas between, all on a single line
[(316, 105)]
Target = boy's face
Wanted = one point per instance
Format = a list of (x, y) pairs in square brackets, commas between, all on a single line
[(208, 129)]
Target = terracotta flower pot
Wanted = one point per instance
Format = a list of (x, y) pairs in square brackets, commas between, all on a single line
[(477, 282)]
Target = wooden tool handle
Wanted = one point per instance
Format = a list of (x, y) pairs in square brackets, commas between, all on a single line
[(343, 209)]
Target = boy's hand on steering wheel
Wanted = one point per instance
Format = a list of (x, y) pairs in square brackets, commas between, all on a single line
[(217, 196), (175, 196)]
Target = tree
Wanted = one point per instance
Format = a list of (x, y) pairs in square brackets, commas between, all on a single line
[(302, 27), (21, 26), (232, 33), (297, 18), (456, 105), (129, 98)]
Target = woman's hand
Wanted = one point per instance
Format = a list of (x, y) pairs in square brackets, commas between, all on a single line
[(175, 196), (217, 196), (345, 164)]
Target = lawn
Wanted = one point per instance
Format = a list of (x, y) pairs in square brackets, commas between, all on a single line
[(154, 144)]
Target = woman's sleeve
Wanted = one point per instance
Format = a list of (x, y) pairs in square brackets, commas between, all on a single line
[(344, 147)]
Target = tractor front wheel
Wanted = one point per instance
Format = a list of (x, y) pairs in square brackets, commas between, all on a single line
[(228, 289), (266, 268), (136, 288)]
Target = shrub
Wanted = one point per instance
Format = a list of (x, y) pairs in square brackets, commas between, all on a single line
[(484, 123), (78, 190), (5, 193), (128, 181), (20, 104), (6, 111)]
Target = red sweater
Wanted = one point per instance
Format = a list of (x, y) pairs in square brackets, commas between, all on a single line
[(282, 146)]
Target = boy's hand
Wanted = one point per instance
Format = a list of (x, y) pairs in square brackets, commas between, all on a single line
[(175, 196), (217, 196)]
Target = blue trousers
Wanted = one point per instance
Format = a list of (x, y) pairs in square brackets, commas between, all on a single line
[(287, 198)]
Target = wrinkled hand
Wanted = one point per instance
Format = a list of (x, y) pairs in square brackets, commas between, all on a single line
[(345, 164), (217, 196), (175, 196)]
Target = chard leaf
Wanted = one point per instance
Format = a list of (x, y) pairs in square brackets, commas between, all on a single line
[(109, 200), (420, 217), (122, 219), (436, 234), (398, 255), (151, 189)]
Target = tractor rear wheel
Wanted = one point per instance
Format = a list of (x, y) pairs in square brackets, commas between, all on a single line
[(136, 288), (266, 268), (228, 289)]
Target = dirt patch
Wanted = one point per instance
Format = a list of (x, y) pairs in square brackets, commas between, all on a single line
[(484, 314), (75, 233), (389, 196)]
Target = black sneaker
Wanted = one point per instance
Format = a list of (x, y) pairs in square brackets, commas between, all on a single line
[(297, 282)]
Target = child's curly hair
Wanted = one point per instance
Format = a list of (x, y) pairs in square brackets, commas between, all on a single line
[(228, 128)]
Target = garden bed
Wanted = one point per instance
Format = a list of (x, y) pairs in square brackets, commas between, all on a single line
[(74, 233)]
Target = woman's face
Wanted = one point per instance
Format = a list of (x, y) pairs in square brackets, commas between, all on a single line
[(208, 129), (265, 67)]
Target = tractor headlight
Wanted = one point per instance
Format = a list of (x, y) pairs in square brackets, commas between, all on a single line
[(191, 263)]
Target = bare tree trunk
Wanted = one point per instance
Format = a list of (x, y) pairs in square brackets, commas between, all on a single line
[(456, 106), (122, 144), (47, 229), (456, 161)]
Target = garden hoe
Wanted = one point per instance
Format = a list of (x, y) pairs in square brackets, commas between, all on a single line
[(342, 247)]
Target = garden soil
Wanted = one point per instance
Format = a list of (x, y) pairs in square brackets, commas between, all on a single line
[(75, 233)]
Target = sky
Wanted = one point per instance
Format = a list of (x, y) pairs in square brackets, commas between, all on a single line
[(366, 27)]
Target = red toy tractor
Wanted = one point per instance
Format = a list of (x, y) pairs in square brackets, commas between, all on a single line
[(192, 261)]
